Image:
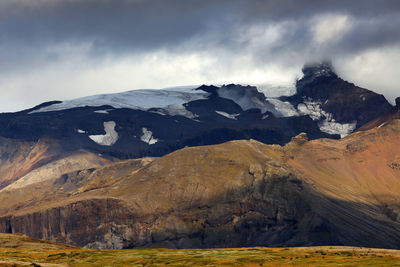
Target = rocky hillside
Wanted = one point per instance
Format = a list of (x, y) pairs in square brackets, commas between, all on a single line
[(27, 162), (240, 193)]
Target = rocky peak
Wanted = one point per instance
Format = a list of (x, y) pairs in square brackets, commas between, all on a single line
[(398, 103), (314, 70)]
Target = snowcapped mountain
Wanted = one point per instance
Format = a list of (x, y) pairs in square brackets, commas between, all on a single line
[(155, 122), (60, 169), (338, 106)]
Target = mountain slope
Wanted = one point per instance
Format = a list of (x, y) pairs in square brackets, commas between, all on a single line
[(394, 114), (27, 162), (240, 193), (17, 158)]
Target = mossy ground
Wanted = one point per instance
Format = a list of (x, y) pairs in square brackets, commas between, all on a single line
[(319, 256)]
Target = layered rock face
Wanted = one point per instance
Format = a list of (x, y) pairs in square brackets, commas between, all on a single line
[(240, 193)]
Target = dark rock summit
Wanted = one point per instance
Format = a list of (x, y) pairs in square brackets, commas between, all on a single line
[(342, 102), (314, 71)]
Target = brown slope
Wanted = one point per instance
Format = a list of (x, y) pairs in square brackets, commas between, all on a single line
[(70, 162), (146, 207), (241, 193), (18, 157), (363, 167), (23, 242), (358, 173), (29, 162)]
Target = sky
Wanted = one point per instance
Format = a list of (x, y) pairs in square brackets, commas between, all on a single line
[(64, 49)]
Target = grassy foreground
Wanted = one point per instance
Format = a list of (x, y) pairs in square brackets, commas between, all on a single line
[(20, 250), (315, 256)]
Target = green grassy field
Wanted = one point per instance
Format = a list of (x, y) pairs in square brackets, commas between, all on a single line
[(315, 256)]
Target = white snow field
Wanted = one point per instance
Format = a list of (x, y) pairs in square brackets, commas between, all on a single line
[(170, 100)]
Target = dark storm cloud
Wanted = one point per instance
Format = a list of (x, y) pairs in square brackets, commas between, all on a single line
[(63, 39), (117, 26)]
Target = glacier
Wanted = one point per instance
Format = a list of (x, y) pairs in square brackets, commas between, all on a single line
[(169, 100)]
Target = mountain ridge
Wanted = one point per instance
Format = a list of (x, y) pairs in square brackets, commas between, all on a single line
[(132, 124), (240, 193)]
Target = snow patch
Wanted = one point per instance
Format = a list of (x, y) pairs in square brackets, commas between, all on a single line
[(271, 90), (312, 109), (332, 127), (147, 137), (101, 111), (80, 131), (170, 101), (227, 115), (266, 116), (284, 108), (327, 123), (109, 138)]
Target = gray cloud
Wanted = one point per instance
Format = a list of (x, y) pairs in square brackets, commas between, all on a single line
[(69, 46), (116, 26)]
